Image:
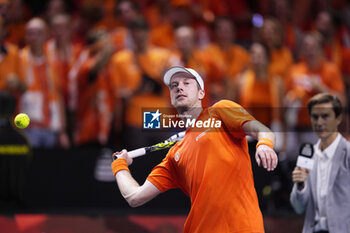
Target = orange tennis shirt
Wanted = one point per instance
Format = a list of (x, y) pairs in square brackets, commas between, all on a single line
[(213, 168)]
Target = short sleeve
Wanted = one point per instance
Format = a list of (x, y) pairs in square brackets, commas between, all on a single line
[(162, 175), (232, 115)]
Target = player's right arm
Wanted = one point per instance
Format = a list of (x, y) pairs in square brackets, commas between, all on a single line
[(134, 194)]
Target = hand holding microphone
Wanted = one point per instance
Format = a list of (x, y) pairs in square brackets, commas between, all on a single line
[(299, 176), (305, 163)]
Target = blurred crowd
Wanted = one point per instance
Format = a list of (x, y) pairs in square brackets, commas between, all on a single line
[(83, 70)]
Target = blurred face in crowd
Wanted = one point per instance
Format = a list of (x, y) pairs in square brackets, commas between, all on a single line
[(259, 56), (61, 27), (4, 7), (127, 13), (140, 37), (185, 39), (311, 48), (55, 7), (224, 31), (324, 24), (36, 33), (184, 92), (271, 33), (281, 9), (181, 16), (323, 120)]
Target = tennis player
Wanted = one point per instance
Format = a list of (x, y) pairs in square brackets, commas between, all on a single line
[(212, 167)]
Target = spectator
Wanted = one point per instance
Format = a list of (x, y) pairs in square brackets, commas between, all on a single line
[(10, 73), (326, 25), (89, 14), (259, 91), (160, 17), (181, 14), (54, 8), (17, 16), (314, 74), (95, 98), (231, 58), (121, 35), (271, 34), (62, 53), (282, 10), (42, 100)]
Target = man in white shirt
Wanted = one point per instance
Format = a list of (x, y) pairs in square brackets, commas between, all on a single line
[(324, 192)]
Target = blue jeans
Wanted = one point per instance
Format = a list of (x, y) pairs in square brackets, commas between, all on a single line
[(42, 138)]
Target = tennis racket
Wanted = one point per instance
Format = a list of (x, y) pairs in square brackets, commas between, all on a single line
[(159, 146)]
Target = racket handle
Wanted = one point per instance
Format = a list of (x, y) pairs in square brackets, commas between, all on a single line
[(137, 152)]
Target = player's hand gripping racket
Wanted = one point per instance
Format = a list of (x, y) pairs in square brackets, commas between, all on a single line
[(159, 146)]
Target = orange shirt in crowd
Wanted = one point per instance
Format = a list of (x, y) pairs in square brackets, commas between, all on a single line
[(121, 38), (152, 15), (214, 169), (280, 63), (109, 20), (299, 85), (233, 60), (95, 104), (42, 100), (62, 66), (9, 64), (162, 35), (228, 64), (16, 33), (290, 36), (333, 52), (126, 71), (260, 97)]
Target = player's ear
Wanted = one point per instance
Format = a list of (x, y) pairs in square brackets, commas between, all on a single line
[(201, 94)]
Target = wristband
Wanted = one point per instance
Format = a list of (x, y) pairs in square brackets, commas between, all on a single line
[(264, 141), (119, 165)]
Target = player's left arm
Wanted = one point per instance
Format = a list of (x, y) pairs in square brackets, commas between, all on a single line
[(265, 155)]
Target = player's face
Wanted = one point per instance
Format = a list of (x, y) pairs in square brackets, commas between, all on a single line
[(184, 91), (323, 120)]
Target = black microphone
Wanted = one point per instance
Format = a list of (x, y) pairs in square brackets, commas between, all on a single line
[(306, 151)]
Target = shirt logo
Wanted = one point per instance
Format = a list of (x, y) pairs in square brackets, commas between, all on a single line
[(201, 135), (177, 156), (151, 120)]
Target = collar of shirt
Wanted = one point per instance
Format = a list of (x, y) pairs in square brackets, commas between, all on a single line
[(329, 152)]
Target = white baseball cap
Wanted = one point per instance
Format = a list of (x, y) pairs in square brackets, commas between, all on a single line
[(176, 69)]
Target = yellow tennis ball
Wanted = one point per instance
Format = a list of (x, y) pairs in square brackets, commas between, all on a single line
[(22, 120)]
